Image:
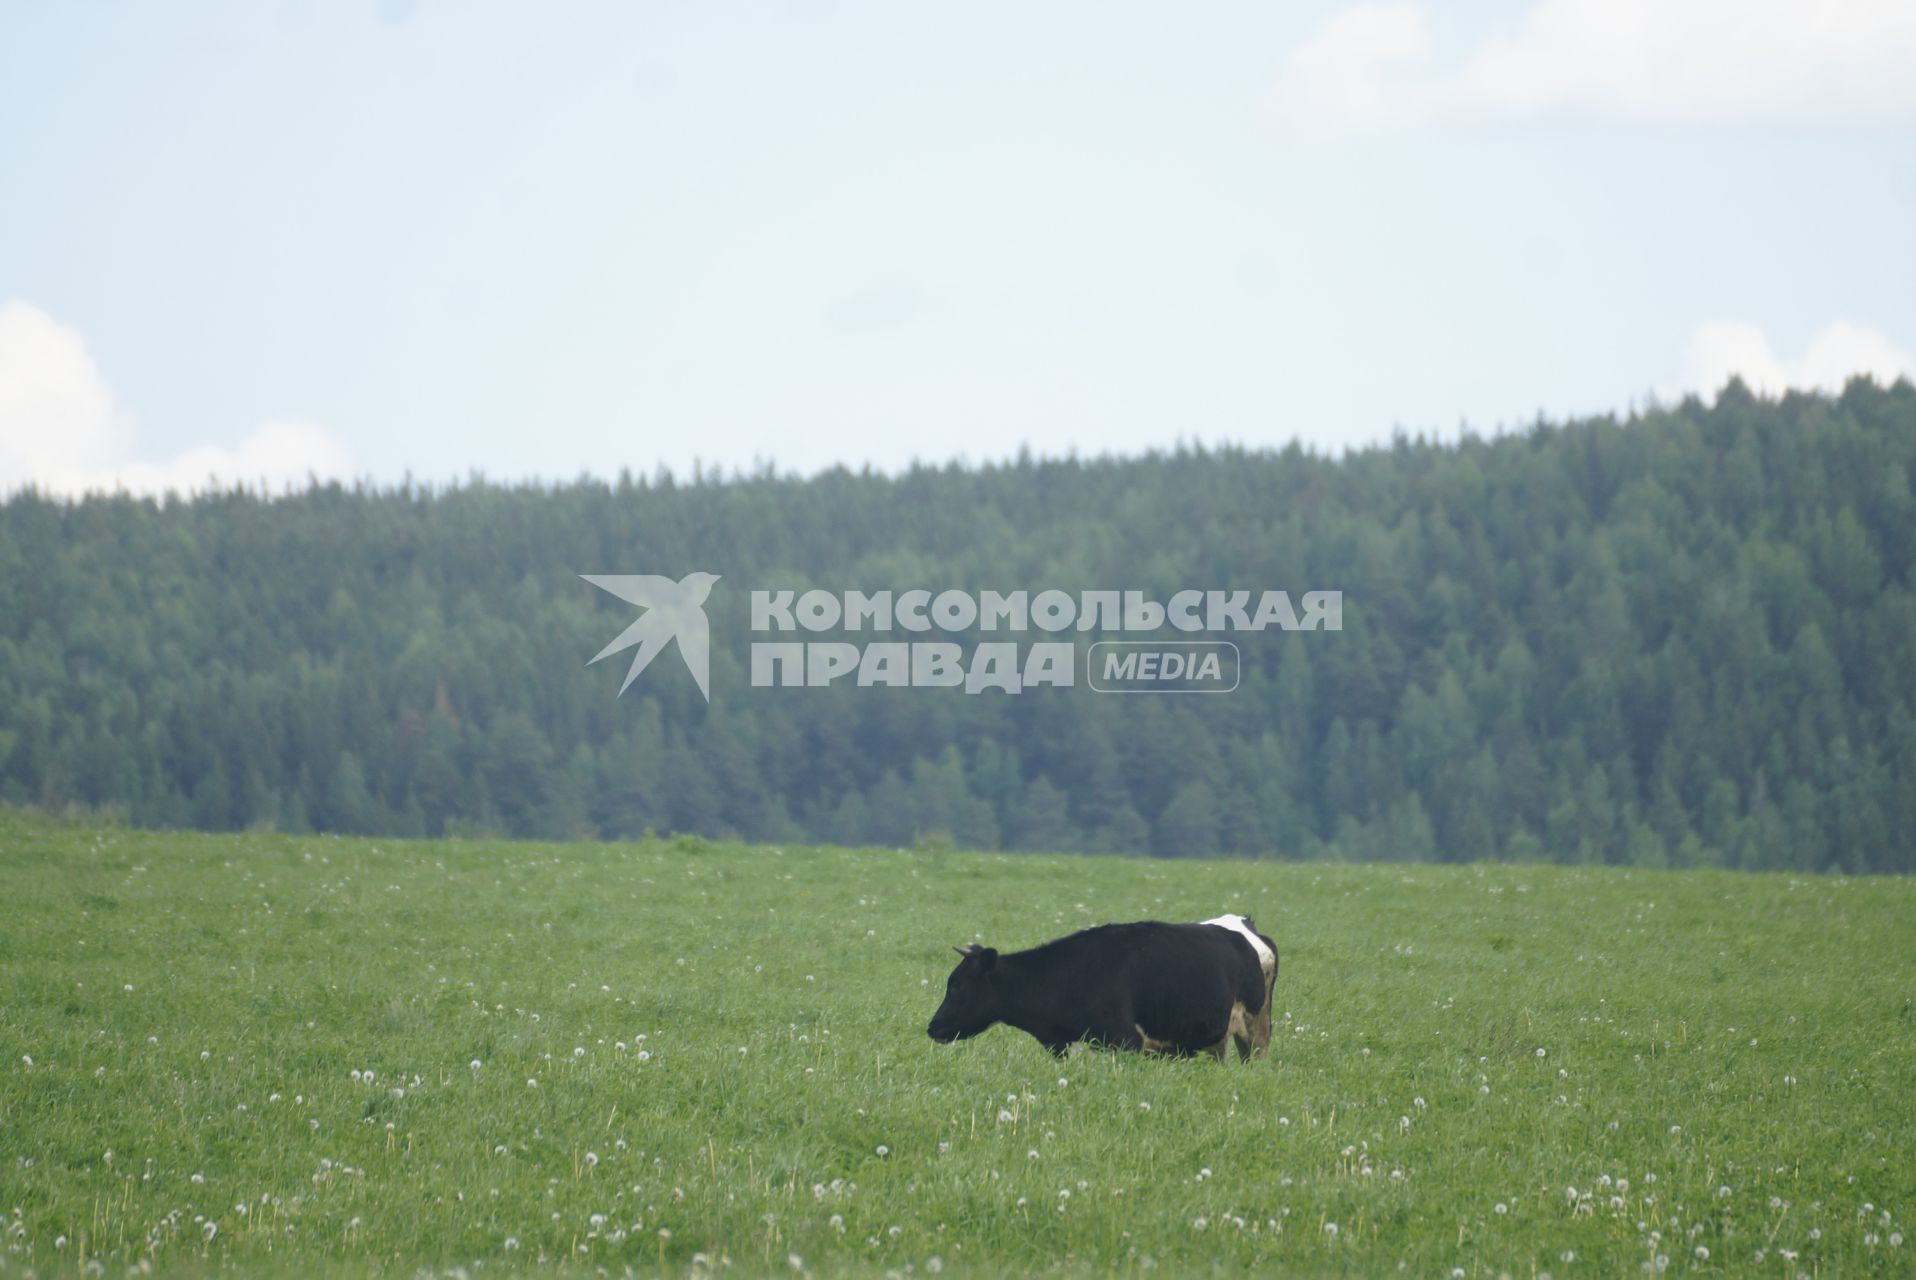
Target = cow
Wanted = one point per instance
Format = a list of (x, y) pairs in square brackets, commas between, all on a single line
[(1179, 989)]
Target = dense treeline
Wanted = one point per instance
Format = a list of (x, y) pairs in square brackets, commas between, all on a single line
[(1689, 637)]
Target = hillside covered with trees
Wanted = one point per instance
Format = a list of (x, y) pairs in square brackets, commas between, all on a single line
[(1685, 638)]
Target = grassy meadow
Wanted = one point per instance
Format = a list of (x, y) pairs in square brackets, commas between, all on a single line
[(270, 1054)]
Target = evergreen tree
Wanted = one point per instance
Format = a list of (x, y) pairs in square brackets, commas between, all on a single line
[(1687, 637)]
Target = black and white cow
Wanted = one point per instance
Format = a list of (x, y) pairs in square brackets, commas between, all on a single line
[(1163, 988)]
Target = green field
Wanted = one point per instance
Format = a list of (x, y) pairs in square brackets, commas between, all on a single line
[(279, 1054)]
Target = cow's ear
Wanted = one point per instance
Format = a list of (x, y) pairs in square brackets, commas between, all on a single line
[(986, 956)]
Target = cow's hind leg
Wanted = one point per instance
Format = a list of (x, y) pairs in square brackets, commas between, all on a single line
[(1260, 1023), (1241, 1031), (1258, 1043)]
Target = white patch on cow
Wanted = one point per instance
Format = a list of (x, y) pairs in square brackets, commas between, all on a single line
[(1265, 959)]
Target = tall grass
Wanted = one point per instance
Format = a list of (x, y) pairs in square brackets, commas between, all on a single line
[(290, 1055)]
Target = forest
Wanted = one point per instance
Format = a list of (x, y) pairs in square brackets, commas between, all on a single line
[(1683, 636)]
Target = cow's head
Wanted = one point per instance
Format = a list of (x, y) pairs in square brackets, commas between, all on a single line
[(971, 997)]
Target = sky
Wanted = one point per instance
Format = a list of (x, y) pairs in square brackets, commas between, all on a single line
[(262, 240)]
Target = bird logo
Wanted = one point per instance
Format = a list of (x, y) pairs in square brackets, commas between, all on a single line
[(673, 611)]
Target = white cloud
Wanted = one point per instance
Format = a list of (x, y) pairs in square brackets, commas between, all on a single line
[(1720, 349), (61, 431), (1372, 67)]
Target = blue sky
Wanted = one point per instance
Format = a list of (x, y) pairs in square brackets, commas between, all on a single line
[(372, 239)]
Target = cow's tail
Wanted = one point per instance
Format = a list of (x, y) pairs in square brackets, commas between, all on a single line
[(1266, 984)]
